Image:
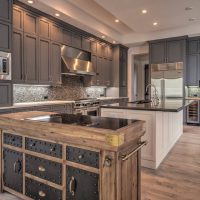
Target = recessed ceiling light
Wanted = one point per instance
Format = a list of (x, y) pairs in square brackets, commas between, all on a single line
[(192, 19), (57, 15), (155, 23), (117, 20), (114, 42), (30, 1), (188, 8), (144, 11), (103, 36)]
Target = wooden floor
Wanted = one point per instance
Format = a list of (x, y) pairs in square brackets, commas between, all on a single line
[(178, 177)]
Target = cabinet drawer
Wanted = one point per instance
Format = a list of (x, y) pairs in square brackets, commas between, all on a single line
[(82, 156), (13, 140), (44, 169), (58, 108), (43, 147), (37, 190)]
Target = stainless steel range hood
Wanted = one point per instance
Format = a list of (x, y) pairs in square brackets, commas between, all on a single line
[(73, 65)]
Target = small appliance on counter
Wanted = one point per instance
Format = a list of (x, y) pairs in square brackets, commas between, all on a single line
[(5, 66)]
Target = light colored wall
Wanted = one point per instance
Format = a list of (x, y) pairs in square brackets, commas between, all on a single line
[(143, 49)]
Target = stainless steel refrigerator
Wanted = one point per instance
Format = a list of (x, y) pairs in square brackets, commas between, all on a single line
[(168, 79)]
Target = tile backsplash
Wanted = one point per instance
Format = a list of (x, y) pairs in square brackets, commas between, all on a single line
[(193, 91), (72, 88)]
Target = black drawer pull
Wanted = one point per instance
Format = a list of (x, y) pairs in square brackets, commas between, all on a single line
[(12, 140), (72, 186), (41, 169), (41, 194), (53, 149), (17, 166)]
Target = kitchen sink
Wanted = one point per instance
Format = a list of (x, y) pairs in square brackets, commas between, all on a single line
[(140, 101)]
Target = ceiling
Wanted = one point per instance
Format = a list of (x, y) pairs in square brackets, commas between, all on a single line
[(98, 17)]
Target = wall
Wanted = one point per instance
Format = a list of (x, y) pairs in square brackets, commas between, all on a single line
[(71, 89), (143, 49)]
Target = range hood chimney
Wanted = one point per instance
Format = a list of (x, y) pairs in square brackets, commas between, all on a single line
[(75, 62)]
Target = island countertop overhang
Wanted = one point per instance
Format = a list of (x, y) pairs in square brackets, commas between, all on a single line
[(88, 136)]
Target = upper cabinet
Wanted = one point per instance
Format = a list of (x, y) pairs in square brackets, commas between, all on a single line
[(56, 33), (167, 51), (18, 18), (86, 44), (67, 37), (30, 23), (6, 10), (44, 28), (76, 40), (5, 25)]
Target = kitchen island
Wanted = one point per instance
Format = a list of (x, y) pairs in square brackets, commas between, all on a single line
[(164, 125), (63, 156)]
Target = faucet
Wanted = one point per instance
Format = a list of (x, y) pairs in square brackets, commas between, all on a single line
[(154, 97)]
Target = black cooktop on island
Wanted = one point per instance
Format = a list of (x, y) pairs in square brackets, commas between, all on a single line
[(85, 120)]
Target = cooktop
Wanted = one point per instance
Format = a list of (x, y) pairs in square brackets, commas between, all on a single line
[(85, 120)]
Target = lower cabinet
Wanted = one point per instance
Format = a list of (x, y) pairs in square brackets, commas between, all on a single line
[(82, 185), (5, 93), (13, 168)]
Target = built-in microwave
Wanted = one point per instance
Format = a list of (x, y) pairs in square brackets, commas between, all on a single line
[(5, 66)]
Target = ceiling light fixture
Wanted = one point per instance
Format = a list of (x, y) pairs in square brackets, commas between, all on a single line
[(192, 19), (117, 20), (188, 8), (30, 1), (114, 42), (144, 11), (155, 23), (103, 36), (57, 15)]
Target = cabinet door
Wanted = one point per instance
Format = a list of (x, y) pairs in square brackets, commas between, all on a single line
[(94, 64), (44, 61), (5, 93), (13, 170), (86, 44), (100, 71), (76, 40), (107, 72), (82, 185), (175, 51), (17, 57), (157, 52), (44, 28), (123, 69), (109, 52), (30, 23), (193, 46), (18, 18), (56, 33), (5, 38), (104, 51), (6, 10), (94, 47), (67, 37), (99, 50), (31, 58), (56, 63), (192, 70)]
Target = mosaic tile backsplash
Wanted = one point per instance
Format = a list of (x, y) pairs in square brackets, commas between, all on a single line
[(194, 92), (71, 89)]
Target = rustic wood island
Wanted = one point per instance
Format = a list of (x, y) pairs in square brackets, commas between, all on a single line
[(98, 159)]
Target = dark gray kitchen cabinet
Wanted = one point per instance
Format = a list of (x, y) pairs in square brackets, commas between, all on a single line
[(168, 50), (44, 61), (94, 47), (67, 37), (6, 10), (99, 50), (176, 50), (30, 23), (157, 52), (193, 70), (100, 78), (76, 40), (18, 75), (107, 72), (5, 38), (194, 45), (104, 51), (5, 93), (44, 28), (56, 33), (110, 52), (86, 44), (18, 15), (56, 63), (31, 58), (94, 64)]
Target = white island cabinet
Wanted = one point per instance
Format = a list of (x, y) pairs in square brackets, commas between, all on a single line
[(163, 129)]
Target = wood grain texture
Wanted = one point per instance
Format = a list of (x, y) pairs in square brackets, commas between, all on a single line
[(178, 177)]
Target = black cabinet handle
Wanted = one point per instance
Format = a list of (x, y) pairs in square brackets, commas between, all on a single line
[(72, 186), (199, 83), (17, 166)]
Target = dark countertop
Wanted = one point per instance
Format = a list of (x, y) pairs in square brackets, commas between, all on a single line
[(165, 106)]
